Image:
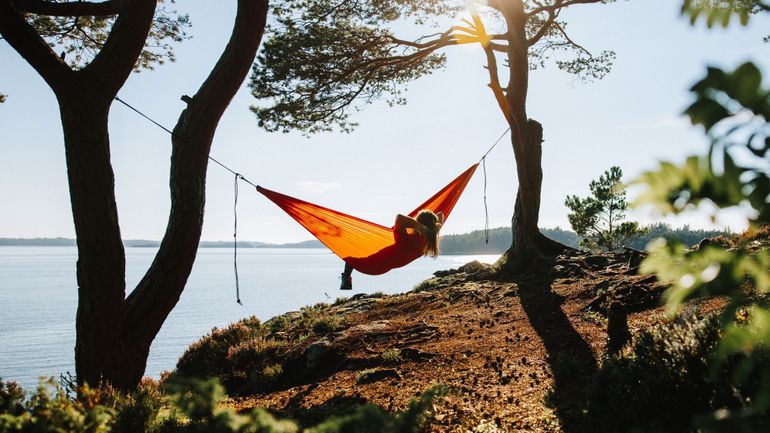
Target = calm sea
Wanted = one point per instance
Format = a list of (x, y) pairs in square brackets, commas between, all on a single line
[(38, 298)]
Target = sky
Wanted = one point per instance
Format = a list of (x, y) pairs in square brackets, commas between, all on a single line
[(398, 156)]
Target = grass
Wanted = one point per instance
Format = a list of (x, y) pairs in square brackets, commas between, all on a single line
[(363, 375), (391, 355), (426, 285)]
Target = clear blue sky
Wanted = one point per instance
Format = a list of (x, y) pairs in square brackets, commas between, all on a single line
[(397, 156)]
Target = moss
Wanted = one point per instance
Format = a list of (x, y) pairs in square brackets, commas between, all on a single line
[(391, 355)]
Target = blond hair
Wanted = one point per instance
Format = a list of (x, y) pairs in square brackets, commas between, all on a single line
[(431, 224)]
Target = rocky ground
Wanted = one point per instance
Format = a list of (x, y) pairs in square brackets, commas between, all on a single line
[(518, 352)]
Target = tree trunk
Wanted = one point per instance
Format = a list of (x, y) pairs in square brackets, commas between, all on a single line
[(148, 306), (114, 333), (528, 245), (101, 260)]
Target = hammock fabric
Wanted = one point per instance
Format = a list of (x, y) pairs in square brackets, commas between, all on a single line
[(368, 247)]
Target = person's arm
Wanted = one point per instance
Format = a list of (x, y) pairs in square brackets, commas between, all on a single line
[(404, 222)]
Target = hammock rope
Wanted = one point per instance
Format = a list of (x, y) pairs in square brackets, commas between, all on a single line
[(483, 162), (235, 238), (238, 176)]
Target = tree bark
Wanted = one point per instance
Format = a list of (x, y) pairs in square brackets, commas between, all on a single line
[(101, 260), (114, 333), (148, 306), (527, 244)]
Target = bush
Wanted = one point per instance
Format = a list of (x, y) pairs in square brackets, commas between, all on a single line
[(190, 406), (141, 410), (327, 324), (50, 410), (247, 362), (11, 398), (372, 419), (207, 357), (664, 380)]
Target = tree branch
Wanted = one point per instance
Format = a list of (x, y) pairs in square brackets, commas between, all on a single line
[(115, 61), (543, 29), (26, 41), (559, 4), (489, 50), (570, 41), (70, 9)]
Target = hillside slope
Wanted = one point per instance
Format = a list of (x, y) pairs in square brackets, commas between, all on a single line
[(518, 352)]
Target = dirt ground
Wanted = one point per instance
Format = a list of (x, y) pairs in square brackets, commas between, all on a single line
[(517, 351)]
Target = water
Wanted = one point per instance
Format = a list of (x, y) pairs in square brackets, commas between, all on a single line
[(38, 298)]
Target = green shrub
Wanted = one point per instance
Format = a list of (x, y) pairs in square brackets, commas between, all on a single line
[(50, 410), (247, 362), (327, 324), (278, 324), (207, 357), (372, 419), (391, 355), (426, 285), (11, 398), (663, 381), (141, 410), (184, 405)]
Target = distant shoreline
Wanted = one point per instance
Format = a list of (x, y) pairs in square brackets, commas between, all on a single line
[(495, 241), (142, 243)]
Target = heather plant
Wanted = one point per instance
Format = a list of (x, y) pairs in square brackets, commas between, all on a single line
[(666, 379), (733, 107), (182, 405), (207, 357)]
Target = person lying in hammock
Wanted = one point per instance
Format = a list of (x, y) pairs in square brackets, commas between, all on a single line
[(410, 234)]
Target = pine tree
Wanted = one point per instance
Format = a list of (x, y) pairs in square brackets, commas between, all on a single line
[(598, 219)]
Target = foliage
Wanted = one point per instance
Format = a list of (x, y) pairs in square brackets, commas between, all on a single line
[(244, 356), (325, 59), (500, 238), (11, 398), (734, 108), (686, 235), (207, 357), (371, 418), (328, 324), (722, 11), (665, 380), (201, 404), (599, 219), (50, 410), (81, 37), (391, 355), (241, 356), (182, 406)]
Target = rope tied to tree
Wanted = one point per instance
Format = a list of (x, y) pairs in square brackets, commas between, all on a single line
[(483, 161), (235, 238)]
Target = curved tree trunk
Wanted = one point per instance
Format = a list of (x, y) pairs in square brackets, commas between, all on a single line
[(114, 333), (158, 292)]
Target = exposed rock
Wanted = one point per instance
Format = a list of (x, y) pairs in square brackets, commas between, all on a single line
[(414, 354), (473, 266), (318, 352)]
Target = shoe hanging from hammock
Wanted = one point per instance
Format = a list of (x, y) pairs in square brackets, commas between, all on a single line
[(368, 247)]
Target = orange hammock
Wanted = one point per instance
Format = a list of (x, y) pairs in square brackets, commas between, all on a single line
[(368, 247)]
